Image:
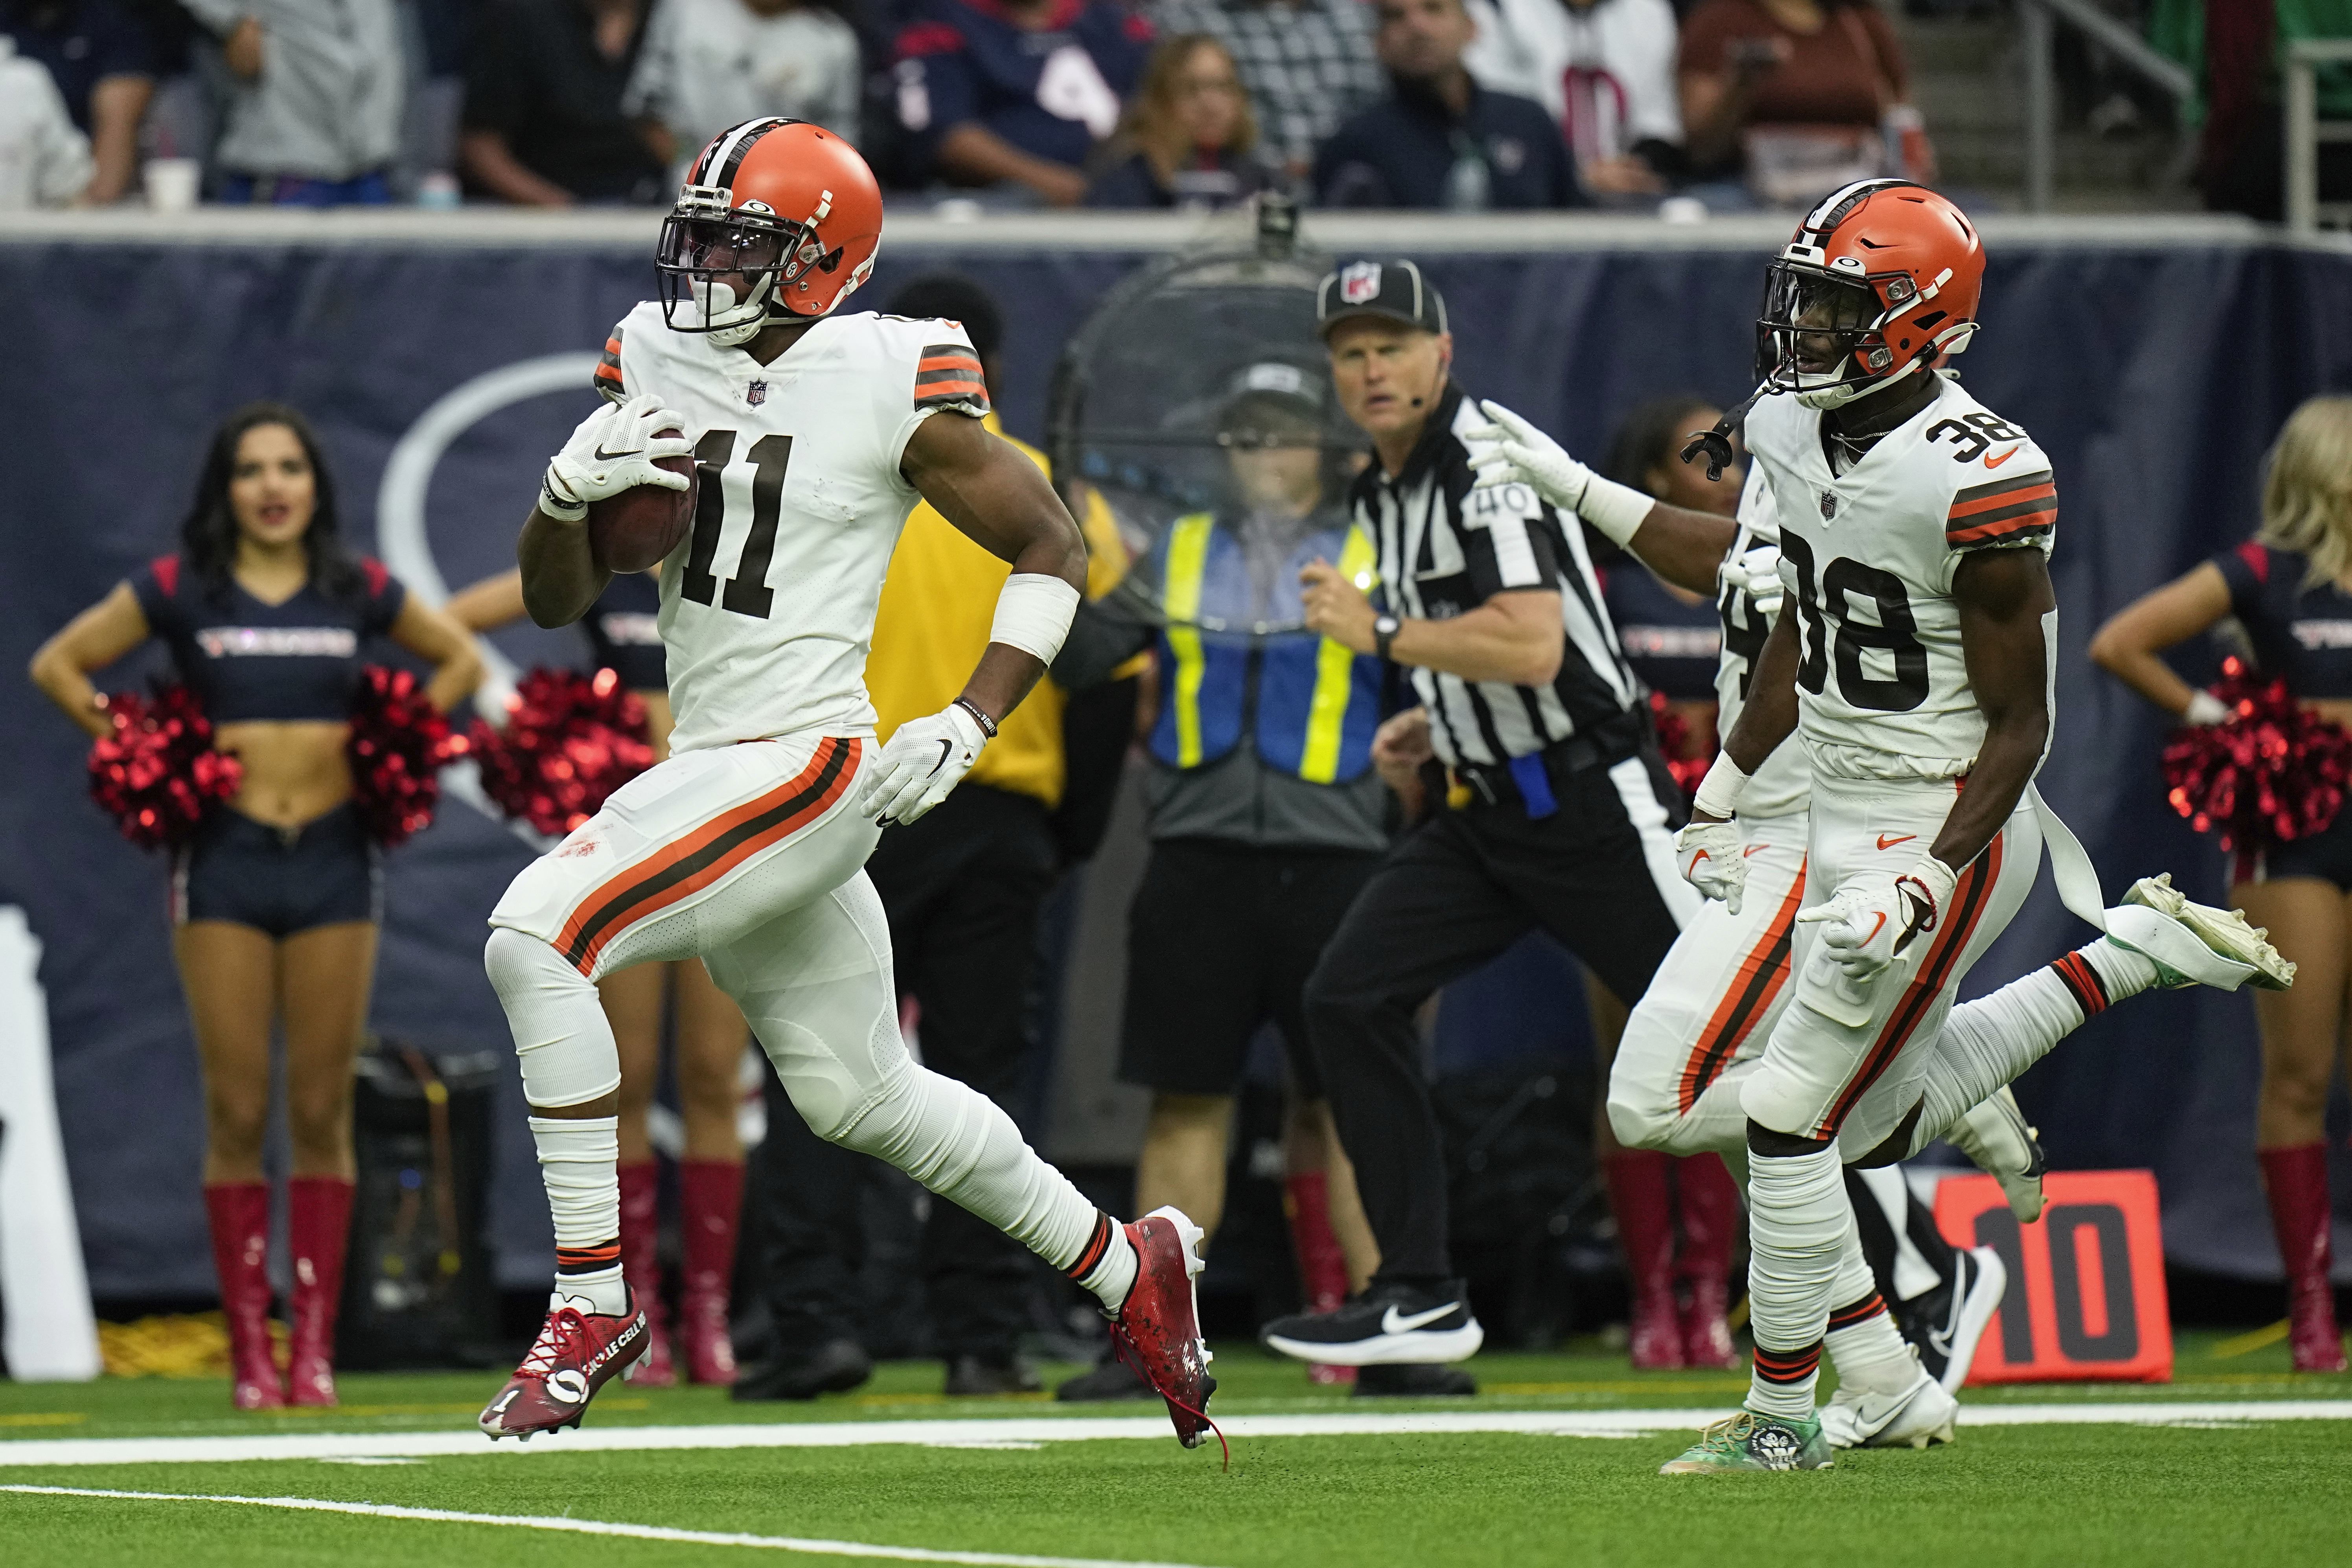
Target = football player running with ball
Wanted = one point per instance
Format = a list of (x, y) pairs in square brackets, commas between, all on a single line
[(1807, 1018), (813, 433)]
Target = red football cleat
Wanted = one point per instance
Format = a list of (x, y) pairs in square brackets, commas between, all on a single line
[(1158, 1329), (576, 1353)]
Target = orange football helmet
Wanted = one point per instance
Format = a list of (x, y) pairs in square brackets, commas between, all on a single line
[(1887, 273), (778, 220)]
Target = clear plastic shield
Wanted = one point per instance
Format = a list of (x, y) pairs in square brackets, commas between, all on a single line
[(1197, 402)]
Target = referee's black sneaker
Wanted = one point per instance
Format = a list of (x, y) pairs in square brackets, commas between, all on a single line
[(1386, 1324)]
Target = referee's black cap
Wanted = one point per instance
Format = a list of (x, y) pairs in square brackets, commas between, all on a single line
[(1391, 289)]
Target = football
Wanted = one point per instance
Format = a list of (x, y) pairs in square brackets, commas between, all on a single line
[(637, 529)]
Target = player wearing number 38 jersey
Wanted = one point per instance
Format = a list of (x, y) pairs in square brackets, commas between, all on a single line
[(813, 433)]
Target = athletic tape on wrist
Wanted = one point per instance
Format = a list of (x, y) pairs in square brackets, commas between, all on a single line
[(556, 506), (1718, 793), (1616, 510), (1034, 614)]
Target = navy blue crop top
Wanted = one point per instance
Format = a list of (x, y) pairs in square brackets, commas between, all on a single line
[(247, 661), (1672, 646), (2303, 635), (623, 631)]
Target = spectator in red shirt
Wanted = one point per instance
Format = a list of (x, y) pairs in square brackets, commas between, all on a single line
[(1189, 139), (1016, 93)]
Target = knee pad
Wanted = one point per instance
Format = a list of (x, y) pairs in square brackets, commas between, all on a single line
[(563, 1041)]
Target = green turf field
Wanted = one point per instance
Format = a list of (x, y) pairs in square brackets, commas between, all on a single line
[(2224, 1484)]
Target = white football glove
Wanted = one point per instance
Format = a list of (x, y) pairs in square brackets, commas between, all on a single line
[(1512, 451), (1713, 859), (925, 759), (614, 450), (1863, 931), (1756, 574)]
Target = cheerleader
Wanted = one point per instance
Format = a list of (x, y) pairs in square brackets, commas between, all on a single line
[(277, 901), (710, 1032), (2291, 587), (1677, 1219)]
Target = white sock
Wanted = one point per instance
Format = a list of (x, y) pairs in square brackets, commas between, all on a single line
[(577, 1157), (1799, 1225), (1861, 1339), (1988, 1042)]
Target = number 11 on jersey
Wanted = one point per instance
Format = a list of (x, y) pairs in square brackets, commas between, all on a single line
[(747, 591)]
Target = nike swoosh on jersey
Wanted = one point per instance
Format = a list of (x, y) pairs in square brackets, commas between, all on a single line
[(2005, 457), (1884, 842), (1395, 1322)]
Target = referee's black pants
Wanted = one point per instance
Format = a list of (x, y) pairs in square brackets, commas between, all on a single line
[(963, 886), (1453, 894)]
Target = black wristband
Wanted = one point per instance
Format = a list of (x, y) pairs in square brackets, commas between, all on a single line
[(987, 724)]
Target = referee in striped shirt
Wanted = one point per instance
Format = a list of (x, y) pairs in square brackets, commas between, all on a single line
[(1558, 812)]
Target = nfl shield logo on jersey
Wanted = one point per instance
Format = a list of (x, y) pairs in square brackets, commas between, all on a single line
[(1360, 281), (1829, 503), (756, 393)]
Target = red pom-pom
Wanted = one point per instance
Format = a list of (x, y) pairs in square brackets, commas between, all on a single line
[(398, 746), (2272, 773), (1683, 760), (156, 773), (571, 739)]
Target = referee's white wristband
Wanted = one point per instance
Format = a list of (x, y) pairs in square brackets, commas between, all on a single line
[(1616, 510), (1034, 614), (1718, 793)]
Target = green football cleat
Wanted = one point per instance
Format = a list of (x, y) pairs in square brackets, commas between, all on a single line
[(1747, 1441)]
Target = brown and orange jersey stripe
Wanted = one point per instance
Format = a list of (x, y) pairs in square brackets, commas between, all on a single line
[(607, 379), (948, 376), (2006, 511)]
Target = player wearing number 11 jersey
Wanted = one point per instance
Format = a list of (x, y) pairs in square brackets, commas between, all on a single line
[(813, 433)]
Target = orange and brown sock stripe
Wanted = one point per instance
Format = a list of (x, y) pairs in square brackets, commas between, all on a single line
[(588, 1259), (1090, 1256), (1862, 1311), (1784, 1367), (2083, 982)]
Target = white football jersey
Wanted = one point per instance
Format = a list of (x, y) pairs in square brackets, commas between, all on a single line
[(767, 605), (1782, 784), (1868, 558)]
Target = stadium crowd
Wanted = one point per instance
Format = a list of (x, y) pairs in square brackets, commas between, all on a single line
[(1464, 104)]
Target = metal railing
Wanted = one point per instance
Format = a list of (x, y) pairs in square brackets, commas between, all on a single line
[(2130, 50), (2305, 130)]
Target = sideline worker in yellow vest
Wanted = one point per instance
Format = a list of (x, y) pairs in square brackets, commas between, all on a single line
[(1266, 816), (964, 887)]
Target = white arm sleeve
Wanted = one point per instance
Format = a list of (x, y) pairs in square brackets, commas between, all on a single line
[(1034, 614)]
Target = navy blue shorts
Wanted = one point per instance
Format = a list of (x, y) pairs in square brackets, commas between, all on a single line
[(279, 880), (2326, 856)]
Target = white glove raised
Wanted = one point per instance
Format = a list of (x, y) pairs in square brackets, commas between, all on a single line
[(614, 450), (1756, 574), (925, 759), (1864, 931), (1515, 452), (1713, 859)]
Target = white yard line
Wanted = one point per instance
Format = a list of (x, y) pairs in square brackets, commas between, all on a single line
[(1013, 1431), (607, 1527)]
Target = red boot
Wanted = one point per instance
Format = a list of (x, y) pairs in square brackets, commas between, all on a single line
[(1646, 1230), (1707, 1202), (711, 1193), (239, 1213), (1322, 1266), (2296, 1182), (317, 1221), (641, 1265)]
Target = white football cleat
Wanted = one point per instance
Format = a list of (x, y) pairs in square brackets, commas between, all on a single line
[(1998, 1142), (1921, 1414), (2195, 944)]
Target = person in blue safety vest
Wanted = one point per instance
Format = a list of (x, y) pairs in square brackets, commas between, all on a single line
[(1266, 816)]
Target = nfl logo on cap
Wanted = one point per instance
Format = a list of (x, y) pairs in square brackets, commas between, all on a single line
[(1360, 282)]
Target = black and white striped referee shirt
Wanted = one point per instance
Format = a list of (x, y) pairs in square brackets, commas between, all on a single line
[(1444, 551)]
